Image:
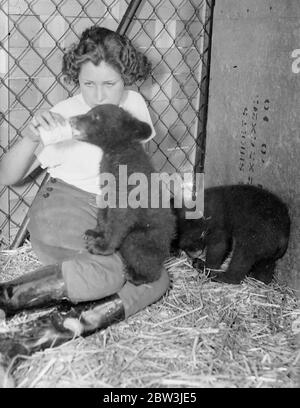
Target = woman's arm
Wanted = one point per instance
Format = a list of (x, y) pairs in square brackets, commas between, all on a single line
[(17, 162)]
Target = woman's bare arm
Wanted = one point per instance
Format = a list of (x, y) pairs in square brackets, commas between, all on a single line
[(20, 159), (16, 163)]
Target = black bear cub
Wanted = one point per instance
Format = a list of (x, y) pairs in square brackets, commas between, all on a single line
[(243, 224), (141, 234)]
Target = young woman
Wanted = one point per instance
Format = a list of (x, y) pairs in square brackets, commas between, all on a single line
[(102, 63)]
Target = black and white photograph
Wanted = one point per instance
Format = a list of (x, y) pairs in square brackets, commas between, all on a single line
[(149, 197)]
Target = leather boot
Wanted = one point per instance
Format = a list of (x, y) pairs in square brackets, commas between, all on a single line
[(88, 317), (61, 325), (40, 288)]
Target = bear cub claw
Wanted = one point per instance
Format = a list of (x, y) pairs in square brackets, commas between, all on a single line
[(96, 244)]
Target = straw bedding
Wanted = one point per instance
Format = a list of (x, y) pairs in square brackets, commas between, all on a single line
[(201, 334)]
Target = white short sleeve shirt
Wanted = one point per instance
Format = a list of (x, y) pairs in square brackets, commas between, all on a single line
[(78, 163)]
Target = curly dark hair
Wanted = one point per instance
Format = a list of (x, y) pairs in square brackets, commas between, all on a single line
[(99, 44)]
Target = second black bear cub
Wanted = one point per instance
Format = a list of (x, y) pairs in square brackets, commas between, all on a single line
[(142, 235), (244, 224)]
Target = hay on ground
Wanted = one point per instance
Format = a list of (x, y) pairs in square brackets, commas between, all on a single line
[(200, 334)]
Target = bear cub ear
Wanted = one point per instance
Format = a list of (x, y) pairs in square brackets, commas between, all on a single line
[(141, 130)]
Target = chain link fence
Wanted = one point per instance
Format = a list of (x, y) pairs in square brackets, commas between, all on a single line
[(174, 34)]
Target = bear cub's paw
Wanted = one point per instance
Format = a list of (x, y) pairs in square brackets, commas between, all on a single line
[(96, 244)]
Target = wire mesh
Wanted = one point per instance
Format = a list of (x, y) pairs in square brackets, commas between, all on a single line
[(174, 34)]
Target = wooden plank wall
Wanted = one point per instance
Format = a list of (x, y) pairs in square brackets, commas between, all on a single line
[(253, 125)]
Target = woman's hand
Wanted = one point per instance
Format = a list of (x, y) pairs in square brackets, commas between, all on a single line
[(47, 120)]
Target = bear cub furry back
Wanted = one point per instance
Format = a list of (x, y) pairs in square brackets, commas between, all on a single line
[(243, 224), (141, 235)]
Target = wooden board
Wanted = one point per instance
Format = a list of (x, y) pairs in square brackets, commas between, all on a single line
[(253, 124)]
